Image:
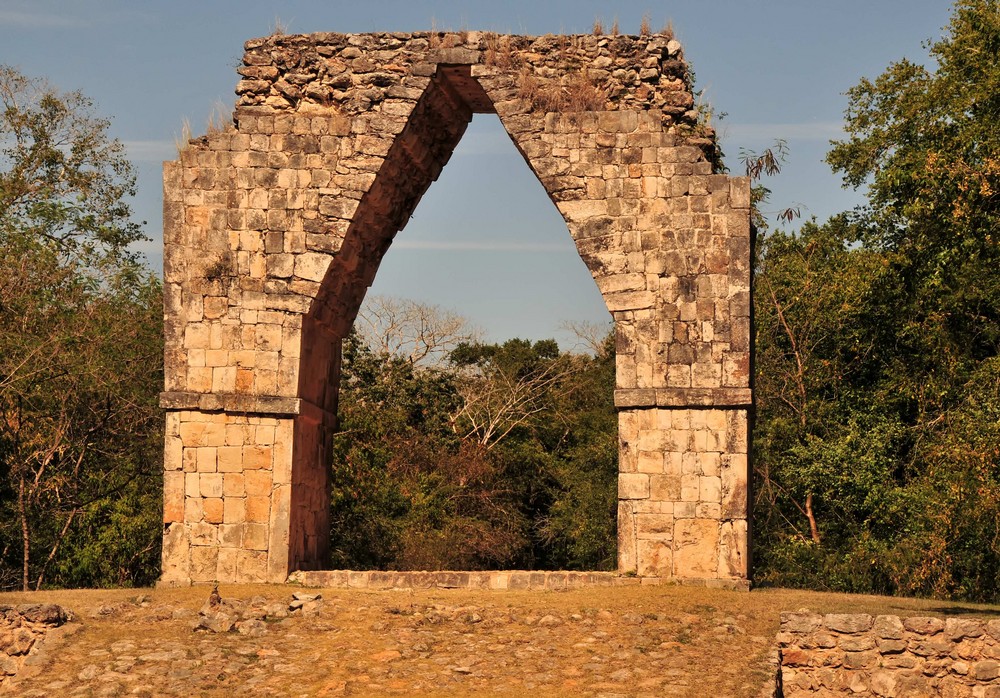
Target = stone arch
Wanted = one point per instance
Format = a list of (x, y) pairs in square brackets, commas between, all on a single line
[(273, 231)]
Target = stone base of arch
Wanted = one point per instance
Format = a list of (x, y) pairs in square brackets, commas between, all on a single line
[(246, 495)]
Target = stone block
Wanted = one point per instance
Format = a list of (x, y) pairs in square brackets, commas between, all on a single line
[(173, 496), (175, 554), (848, 622), (234, 510), (192, 486), (800, 622), (654, 526), (257, 483), (257, 457), (197, 433), (709, 489), (618, 283), (734, 496), (707, 510), (888, 627), (210, 484), (230, 459), (204, 533), (258, 509), (227, 564), (204, 562), (665, 488), (733, 550), (654, 558), (633, 486), (956, 629), (696, 548), (255, 536), (626, 538), (251, 567), (213, 509), (690, 488), (206, 458), (233, 484), (739, 192), (194, 509), (923, 625)]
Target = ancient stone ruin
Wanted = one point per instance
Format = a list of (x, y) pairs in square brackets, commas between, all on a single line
[(274, 231), (856, 654), (22, 629)]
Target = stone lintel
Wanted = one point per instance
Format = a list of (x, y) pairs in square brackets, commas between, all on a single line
[(454, 56), (683, 397), (231, 402)]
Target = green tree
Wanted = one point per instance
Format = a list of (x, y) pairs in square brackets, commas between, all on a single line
[(505, 455), (876, 461), (80, 346)]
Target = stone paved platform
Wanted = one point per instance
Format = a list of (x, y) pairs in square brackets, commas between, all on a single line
[(498, 580)]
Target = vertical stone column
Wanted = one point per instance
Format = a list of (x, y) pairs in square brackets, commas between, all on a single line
[(227, 491), (682, 492)]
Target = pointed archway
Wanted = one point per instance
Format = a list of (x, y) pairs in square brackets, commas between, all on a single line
[(274, 232)]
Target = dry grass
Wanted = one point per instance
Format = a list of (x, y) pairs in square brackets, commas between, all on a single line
[(500, 52), (644, 27), (668, 29), (598, 29), (220, 120), (575, 92), (181, 141), (614, 28)]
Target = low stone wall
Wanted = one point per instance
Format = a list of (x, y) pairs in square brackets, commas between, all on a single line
[(22, 629), (861, 655), (526, 580)]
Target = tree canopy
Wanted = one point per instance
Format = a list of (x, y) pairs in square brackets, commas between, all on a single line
[(876, 448), (80, 350)]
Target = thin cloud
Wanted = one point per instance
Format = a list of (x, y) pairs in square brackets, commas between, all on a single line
[(492, 246), (817, 131), (150, 151), (40, 20)]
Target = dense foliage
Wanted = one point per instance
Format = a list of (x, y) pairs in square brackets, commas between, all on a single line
[(878, 431), (505, 455), (80, 350)]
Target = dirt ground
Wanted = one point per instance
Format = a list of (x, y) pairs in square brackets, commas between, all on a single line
[(620, 641)]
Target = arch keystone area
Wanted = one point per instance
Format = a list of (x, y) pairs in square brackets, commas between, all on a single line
[(274, 230)]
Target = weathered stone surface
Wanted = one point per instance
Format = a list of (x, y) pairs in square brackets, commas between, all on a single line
[(923, 626), (23, 628), (275, 228), (887, 656), (848, 622), (889, 627)]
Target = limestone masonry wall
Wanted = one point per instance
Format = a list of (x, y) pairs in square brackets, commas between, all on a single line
[(858, 655), (274, 230), (22, 629)]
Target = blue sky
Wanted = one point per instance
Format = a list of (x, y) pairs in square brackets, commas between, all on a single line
[(485, 241)]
